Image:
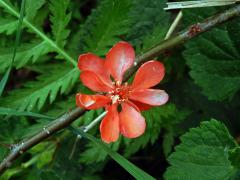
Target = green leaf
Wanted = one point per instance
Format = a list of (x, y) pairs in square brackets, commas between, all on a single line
[(8, 25), (29, 52), (4, 80), (14, 112), (128, 166), (60, 19), (56, 78), (156, 119), (9, 8), (234, 156), (61, 106), (49, 175), (17, 41), (214, 59), (168, 142), (45, 157), (203, 154), (149, 23), (11, 172), (104, 26), (95, 154), (32, 7)]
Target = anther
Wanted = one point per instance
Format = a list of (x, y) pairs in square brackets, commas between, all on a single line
[(115, 99), (118, 83)]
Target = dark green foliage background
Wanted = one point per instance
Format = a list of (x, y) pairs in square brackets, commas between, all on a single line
[(202, 79)]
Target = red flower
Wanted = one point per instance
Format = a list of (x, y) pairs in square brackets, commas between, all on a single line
[(96, 74)]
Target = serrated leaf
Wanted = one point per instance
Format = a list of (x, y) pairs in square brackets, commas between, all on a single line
[(60, 19), (26, 53), (17, 42), (203, 154), (149, 23), (9, 8), (8, 25), (214, 59), (32, 7), (56, 79), (104, 26)]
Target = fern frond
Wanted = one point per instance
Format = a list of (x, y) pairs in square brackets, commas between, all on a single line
[(61, 106), (9, 8), (104, 26), (27, 53), (8, 25), (31, 8), (60, 19), (57, 78)]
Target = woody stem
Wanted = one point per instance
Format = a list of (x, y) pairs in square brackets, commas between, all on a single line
[(66, 119)]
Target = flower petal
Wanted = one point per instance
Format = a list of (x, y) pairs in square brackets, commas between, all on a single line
[(132, 123), (153, 97), (141, 106), (148, 75), (130, 103), (119, 59), (94, 82), (90, 62), (109, 126), (92, 101), (93, 63)]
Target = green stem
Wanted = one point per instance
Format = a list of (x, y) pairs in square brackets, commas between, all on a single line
[(41, 34)]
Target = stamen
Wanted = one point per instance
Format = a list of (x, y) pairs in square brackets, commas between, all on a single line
[(120, 93), (115, 99), (118, 83)]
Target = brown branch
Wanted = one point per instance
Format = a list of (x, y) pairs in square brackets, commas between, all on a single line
[(66, 119), (185, 35)]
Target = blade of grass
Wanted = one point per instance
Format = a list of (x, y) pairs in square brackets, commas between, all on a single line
[(17, 41), (136, 172), (14, 112)]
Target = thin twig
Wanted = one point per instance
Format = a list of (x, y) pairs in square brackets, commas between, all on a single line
[(94, 122), (66, 119), (199, 4), (86, 129), (174, 25)]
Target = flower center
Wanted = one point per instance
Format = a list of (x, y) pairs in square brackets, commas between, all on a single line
[(120, 93)]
